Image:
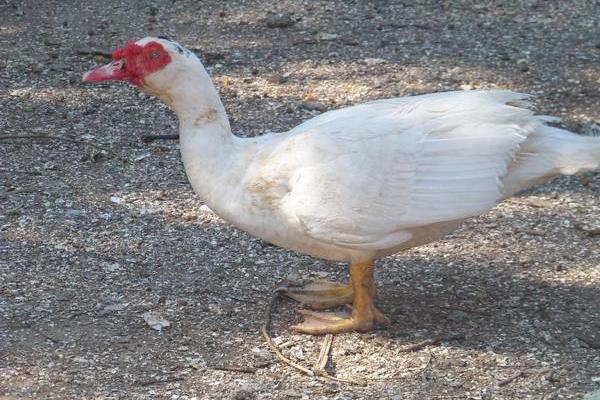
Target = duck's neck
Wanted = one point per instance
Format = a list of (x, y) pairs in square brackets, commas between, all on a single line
[(208, 148)]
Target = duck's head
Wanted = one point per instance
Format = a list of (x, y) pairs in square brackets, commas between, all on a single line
[(154, 64)]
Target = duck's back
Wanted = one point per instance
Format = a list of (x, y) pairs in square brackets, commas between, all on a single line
[(369, 177)]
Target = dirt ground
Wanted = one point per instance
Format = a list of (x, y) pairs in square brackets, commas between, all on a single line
[(93, 240)]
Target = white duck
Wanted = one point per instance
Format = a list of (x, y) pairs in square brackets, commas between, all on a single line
[(358, 183)]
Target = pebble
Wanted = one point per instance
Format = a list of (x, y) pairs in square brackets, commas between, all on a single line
[(117, 200), (279, 20), (523, 65), (277, 78), (74, 213), (328, 37), (297, 352), (374, 61), (244, 392), (155, 320)]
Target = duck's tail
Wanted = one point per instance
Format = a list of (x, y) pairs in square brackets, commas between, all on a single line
[(549, 152)]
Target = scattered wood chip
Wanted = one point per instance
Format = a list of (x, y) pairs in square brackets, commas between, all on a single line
[(319, 367)]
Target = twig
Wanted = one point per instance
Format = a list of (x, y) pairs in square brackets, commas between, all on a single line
[(25, 189), (265, 332), (593, 344), (224, 294), (50, 338), (466, 310), (64, 139), (235, 368), (531, 203), (94, 52), (150, 138), (320, 366), (159, 381), (428, 362), (429, 342), (511, 378), (16, 171)]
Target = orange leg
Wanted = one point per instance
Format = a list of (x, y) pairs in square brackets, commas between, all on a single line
[(360, 293)]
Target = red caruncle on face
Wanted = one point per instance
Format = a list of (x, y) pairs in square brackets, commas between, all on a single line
[(140, 61)]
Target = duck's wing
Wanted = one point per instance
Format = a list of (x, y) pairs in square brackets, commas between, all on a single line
[(367, 174)]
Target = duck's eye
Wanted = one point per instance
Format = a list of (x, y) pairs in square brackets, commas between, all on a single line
[(154, 54)]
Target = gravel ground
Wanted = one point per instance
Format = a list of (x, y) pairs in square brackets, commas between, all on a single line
[(95, 241)]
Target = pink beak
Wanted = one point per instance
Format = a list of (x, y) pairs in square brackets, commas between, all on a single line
[(112, 71)]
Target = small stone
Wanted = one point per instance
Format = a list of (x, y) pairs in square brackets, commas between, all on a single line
[(37, 68), (522, 64), (205, 209), (328, 37), (74, 213), (277, 78), (278, 340), (113, 308), (155, 320), (297, 353), (291, 393), (589, 228), (313, 106), (245, 392), (294, 278), (51, 43), (274, 20), (99, 156), (504, 56), (117, 200), (262, 353), (141, 157), (322, 274), (121, 339), (350, 42)]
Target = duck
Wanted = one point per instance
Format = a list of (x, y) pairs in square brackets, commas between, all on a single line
[(357, 183)]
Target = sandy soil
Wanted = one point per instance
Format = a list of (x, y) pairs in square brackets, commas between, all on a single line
[(98, 228)]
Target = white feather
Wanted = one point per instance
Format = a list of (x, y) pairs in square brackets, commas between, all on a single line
[(371, 179)]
